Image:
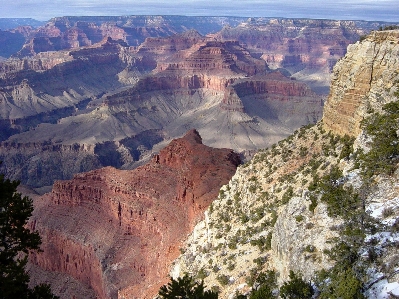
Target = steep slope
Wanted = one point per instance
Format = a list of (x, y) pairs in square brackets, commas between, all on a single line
[(63, 33), (126, 100), (307, 48), (116, 231), (282, 210), (111, 104), (374, 65)]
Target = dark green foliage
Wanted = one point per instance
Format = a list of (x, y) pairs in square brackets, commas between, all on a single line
[(287, 195), (223, 279), (341, 201), (313, 202), (343, 280), (382, 128), (266, 282), (263, 243), (186, 288), (16, 241), (296, 288), (347, 147), (303, 151), (263, 292), (340, 283)]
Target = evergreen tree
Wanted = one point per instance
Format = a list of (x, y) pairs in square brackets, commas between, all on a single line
[(186, 288), (296, 288), (16, 241)]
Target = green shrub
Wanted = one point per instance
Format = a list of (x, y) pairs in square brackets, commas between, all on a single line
[(263, 292), (310, 248), (223, 279), (347, 147), (313, 202), (186, 287), (340, 284), (383, 155), (287, 195), (202, 274), (296, 288)]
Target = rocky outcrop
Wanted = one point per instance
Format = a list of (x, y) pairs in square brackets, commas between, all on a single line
[(265, 218), (123, 228), (362, 81), (215, 56), (307, 48)]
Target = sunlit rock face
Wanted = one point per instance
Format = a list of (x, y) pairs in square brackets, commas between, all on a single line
[(362, 81), (110, 104), (116, 232)]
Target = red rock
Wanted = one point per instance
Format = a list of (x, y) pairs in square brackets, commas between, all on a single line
[(118, 231)]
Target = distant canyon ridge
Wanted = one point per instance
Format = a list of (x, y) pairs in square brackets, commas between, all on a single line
[(81, 93)]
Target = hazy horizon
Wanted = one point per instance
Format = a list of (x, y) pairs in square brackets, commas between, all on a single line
[(379, 10)]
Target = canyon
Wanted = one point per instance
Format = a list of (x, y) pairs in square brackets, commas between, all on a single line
[(92, 117), (116, 232), (265, 218), (87, 92)]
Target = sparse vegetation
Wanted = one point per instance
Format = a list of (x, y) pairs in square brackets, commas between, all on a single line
[(383, 154)]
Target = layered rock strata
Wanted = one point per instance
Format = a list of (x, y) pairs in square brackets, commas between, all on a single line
[(194, 83), (362, 81), (118, 231), (266, 218)]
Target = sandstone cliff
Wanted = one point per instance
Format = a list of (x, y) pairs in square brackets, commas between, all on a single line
[(266, 217), (363, 80), (307, 48), (116, 232)]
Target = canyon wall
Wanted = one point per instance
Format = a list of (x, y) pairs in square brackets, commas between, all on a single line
[(268, 217), (362, 81), (117, 231)]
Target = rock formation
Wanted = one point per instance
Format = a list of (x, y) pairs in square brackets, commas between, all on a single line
[(307, 48), (110, 104), (64, 33), (117, 231), (115, 87), (362, 81), (265, 218)]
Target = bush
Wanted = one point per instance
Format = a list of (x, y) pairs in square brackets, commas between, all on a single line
[(341, 284), (223, 279), (16, 243), (347, 147), (263, 292), (382, 128), (296, 288), (186, 287), (266, 284), (287, 195), (387, 212)]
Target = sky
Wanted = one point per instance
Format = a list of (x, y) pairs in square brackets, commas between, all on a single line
[(376, 10)]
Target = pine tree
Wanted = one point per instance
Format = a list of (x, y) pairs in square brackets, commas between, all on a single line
[(16, 241), (185, 288)]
